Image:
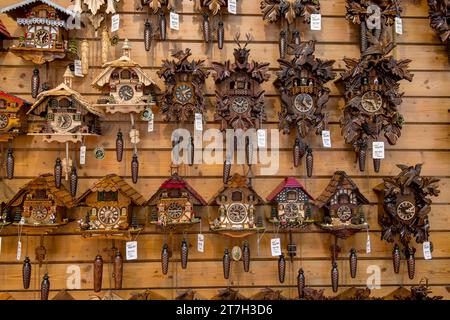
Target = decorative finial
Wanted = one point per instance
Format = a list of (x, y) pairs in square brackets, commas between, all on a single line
[(126, 48)]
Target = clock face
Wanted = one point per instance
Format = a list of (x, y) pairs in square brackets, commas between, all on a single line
[(406, 210), (344, 213), (291, 210), (183, 93), (237, 212), (42, 37), (240, 105), (174, 210), (39, 213), (63, 121), (108, 215), (4, 120), (303, 102), (126, 93), (371, 101)]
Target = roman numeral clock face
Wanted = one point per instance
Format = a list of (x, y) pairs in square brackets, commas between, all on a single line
[(303, 102), (3, 121), (126, 93), (108, 215), (406, 210), (183, 93), (240, 105), (371, 101), (237, 212), (174, 210)]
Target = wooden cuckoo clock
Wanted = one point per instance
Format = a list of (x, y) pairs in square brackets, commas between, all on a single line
[(210, 9), (303, 97), (185, 81), (13, 122), (439, 12), (4, 34), (110, 201), (372, 98), (96, 9), (403, 208), (240, 98), (373, 17), (288, 13)]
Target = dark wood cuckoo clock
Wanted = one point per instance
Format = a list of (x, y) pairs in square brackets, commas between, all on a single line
[(288, 14), (13, 122), (212, 12), (239, 95), (439, 12), (301, 83), (372, 98), (403, 209), (4, 35), (341, 202), (373, 17)]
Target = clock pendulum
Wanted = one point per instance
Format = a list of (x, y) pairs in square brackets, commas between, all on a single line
[(98, 273), (301, 283)]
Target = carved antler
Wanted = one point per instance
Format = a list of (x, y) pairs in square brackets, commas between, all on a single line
[(248, 36), (236, 39)]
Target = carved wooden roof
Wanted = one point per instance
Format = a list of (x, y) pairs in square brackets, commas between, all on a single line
[(19, 8), (237, 181), (273, 10), (113, 183), (4, 33), (16, 99), (289, 182)]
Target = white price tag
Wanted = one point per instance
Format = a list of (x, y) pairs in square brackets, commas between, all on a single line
[(115, 22), (78, 69), (200, 243), (198, 122), (316, 21), (232, 6), (131, 249), (368, 248), (427, 250), (275, 247), (150, 125), (0, 244), (261, 134), (398, 25), (19, 250), (83, 155), (326, 138), (174, 21), (378, 150)]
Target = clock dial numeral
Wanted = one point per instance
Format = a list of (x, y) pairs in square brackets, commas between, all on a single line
[(4, 120), (174, 210), (406, 210), (126, 93), (108, 215), (303, 102), (39, 213), (237, 212), (64, 121), (371, 101), (240, 105), (183, 93), (291, 210), (42, 37), (344, 213)]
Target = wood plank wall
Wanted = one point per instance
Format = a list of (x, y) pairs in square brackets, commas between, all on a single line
[(425, 138)]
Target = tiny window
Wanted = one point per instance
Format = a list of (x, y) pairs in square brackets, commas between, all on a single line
[(174, 193), (42, 13), (125, 74), (107, 196), (241, 85), (232, 85), (40, 194), (64, 103), (2, 104), (236, 196), (115, 75), (292, 195), (343, 198)]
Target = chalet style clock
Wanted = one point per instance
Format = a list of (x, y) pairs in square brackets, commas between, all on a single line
[(440, 20), (372, 98), (4, 34), (403, 208), (303, 97), (373, 17), (110, 201), (288, 12), (240, 98)]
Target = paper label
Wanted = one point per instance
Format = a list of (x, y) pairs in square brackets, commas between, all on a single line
[(131, 250), (275, 247), (326, 138), (83, 155), (150, 125), (378, 150), (261, 133), (0, 244), (200, 243), (78, 69), (232, 6), (19, 250), (115, 22), (198, 122), (427, 250), (398, 25), (368, 247), (174, 21), (316, 21)]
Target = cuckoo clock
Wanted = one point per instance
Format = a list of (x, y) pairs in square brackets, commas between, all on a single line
[(288, 13), (4, 34), (303, 97), (210, 9), (372, 98), (403, 208), (440, 20), (373, 17), (185, 81), (97, 11), (110, 202), (240, 98)]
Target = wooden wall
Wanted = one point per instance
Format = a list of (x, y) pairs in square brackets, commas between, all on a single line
[(424, 139)]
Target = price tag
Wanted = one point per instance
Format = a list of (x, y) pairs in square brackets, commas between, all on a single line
[(368, 248), (78, 69), (19, 250), (150, 125), (83, 155), (316, 21), (232, 6), (378, 150), (198, 122), (261, 133), (398, 25), (326, 138), (0, 244), (200, 243), (115, 22), (427, 250), (174, 21), (131, 250), (275, 247)]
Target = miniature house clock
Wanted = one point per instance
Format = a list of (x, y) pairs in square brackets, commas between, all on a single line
[(403, 211), (4, 34), (185, 81), (439, 13), (372, 98), (240, 98), (303, 97)]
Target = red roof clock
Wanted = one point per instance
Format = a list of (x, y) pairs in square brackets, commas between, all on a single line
[(4, 34)]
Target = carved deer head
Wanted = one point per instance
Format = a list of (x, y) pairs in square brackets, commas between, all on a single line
[(241, 53)]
